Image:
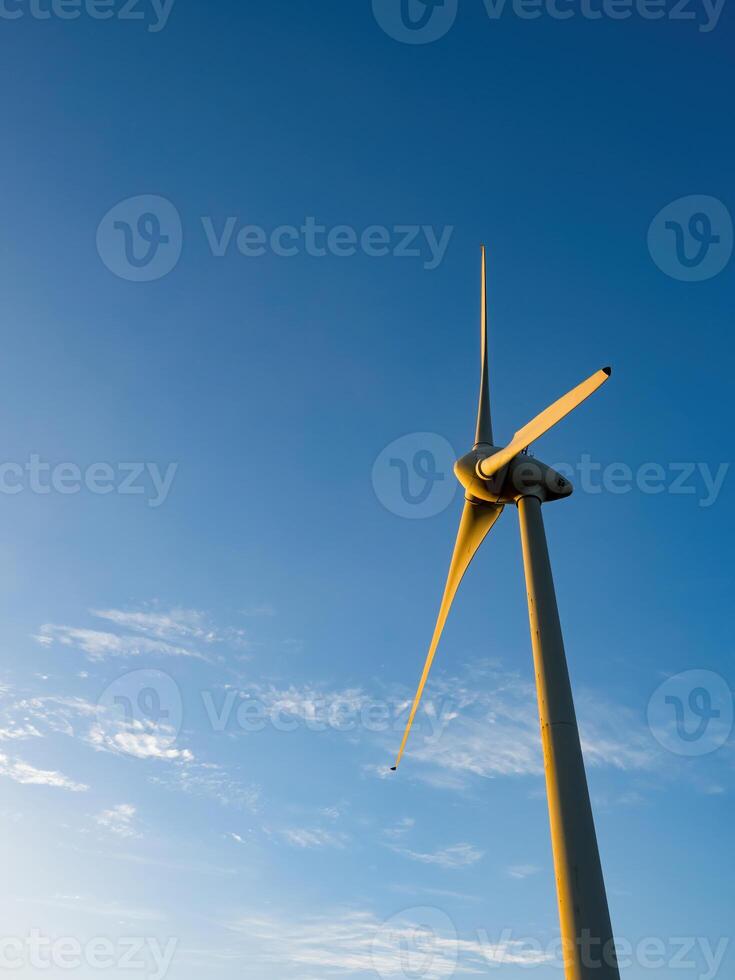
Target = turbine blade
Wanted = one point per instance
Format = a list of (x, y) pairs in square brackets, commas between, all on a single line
[(477, 519), (543, 422), (484, 429)]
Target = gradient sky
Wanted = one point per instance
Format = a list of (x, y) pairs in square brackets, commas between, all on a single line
[(276, 569)]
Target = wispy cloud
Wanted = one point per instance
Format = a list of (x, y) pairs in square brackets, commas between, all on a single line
[(97, 907), (400, 828), (311, 704), (310, 838), (356, 942), (523, 870), (138, 739), (213, 781), (456, 856), (52, 713), (331, 812), (417, 889), (174, 624), (613, 735), (346, 942), (119, 820), (94, 724), (19, 733), (23, 772), (99, 645), (493, 730), (152, 631), (102, 729)]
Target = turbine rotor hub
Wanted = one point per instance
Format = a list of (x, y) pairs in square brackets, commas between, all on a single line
[(523, 476)]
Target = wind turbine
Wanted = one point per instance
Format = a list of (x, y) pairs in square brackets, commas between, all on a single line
[(493, 477)]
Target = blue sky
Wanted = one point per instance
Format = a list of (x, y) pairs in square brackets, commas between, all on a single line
[(231, 527)]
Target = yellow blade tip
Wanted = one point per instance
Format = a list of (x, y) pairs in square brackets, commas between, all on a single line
[(608, 371), (393, 768)]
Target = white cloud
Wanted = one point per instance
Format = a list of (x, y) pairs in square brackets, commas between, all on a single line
[(456, 856), (211, 780), (99, 645), (523, 870), (346, 942), (493, 730), (175, 624), (54, 713), (20, 732), (119, 820), (612, 735), (400, 828), (313, 838), (420, 942), (150, 631), (104, 731), (73, 716), (23, 772), (311, 704), (142, 741)]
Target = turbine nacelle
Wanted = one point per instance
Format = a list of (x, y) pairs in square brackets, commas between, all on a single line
[(523, 476)]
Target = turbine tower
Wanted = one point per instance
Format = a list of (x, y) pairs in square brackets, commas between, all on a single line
[(492, 477)]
